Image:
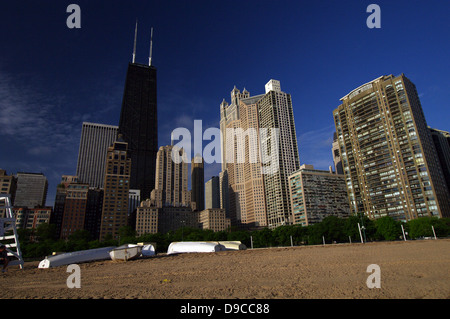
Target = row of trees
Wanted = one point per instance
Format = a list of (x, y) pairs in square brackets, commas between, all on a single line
[(332, 229)]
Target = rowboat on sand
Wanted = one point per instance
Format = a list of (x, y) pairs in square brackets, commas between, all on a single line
[(126, 252)]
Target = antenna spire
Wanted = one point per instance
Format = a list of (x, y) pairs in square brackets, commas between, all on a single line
[(135, 37), (151, 47)]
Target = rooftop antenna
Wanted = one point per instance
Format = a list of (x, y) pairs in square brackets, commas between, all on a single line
[(151, 45), (134, 47)]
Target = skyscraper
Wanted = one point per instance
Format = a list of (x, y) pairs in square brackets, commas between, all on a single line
[(171, 183), (441, 140), (94, 142), (258, 188), (139, 123), (389, 160), (198, 182), (254, 212), (117, 185), (275, 111), (232, 190)]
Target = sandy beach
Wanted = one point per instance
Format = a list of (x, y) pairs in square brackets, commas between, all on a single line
[(408, 270)]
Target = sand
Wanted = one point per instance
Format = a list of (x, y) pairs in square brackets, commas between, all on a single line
[(412, 269)]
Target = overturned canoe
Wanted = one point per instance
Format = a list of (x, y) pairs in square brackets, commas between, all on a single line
[(148, 250), (233, 245), (76, 257), (194, 247), (126, 252)]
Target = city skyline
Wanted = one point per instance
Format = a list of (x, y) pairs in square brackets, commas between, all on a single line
[(320, 52)]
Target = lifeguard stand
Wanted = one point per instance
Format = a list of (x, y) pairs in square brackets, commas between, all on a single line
[(8, 232)]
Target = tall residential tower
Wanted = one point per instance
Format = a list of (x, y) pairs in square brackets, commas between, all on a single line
[(388, 157)]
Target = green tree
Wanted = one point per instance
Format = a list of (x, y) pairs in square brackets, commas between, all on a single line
[(351, 227), (46, 231), (387, 228), (240, 235), (421, 227), (282, 235), (78, 240), (262, 238), (127, 235)]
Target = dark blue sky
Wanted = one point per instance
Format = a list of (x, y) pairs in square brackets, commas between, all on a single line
[(53, 78)]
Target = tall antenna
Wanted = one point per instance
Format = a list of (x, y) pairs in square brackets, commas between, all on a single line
[(134, 47), (151, 45)]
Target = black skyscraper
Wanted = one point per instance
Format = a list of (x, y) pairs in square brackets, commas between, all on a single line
[(139, 125)]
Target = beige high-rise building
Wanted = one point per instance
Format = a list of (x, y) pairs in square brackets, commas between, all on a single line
[(259, 152), (389, 160), (116, 192), (171, 182), (275, 112), (240, 141), (252, 179)]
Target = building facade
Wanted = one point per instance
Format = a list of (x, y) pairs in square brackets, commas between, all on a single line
[(139, 125), (441, 140), (316, 194), (8, 185), (336, 155), (259, 152), (31, 218), (146, 218), (60, 200), (74, 209), (276, 112), (212, 193), (171, 181), (94, 142), (198, 183), (388, 157), (214, 219), (31, 190), (117, 186)]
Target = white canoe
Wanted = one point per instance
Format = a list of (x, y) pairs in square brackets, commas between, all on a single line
[(126, 252), (194, 247), (76, 257), (233, 245), (148, 250)]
